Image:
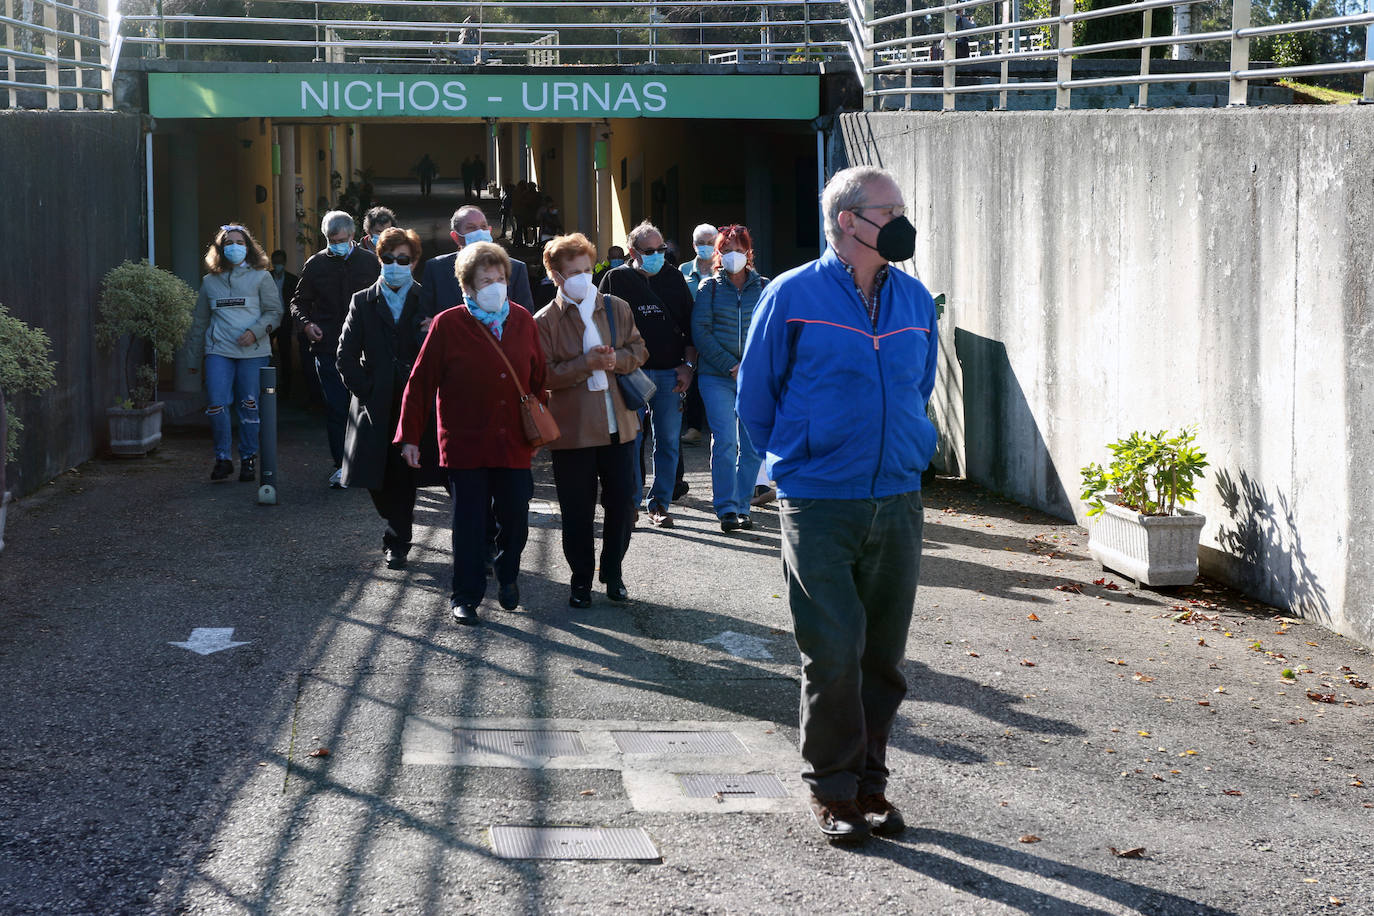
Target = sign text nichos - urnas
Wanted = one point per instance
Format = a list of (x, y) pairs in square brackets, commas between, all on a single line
[(589, 96)]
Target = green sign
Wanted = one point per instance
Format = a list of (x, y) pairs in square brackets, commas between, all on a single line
[(303, 95)]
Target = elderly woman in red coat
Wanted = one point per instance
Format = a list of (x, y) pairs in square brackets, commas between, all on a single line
[(481, 435)]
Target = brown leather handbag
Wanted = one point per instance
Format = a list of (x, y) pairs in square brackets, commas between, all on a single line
[(539, 425)]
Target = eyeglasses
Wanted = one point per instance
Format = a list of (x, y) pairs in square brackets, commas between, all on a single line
[(896, 210), (402, 259), (661, 249)]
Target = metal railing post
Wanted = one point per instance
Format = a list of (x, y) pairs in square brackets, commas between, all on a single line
[(1004, 44), (1240, 51), (1368, 98), (51, 52), (162, 30), (908, 51), (868, 57), (1146, 26), (1062, 95), (10, 36), (949, 45)]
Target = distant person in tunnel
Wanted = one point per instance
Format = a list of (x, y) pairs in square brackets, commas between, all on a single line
[(426, 171), (699, 265), (481, 434), (837, 371), (599, 433), (379, 344), (328, 281), (236, 312)]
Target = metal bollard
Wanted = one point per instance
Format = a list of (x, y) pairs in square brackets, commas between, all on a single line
[(267, 442)]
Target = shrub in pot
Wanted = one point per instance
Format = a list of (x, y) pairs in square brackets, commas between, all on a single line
[(1141, 529), (153, 308), (25, 367)]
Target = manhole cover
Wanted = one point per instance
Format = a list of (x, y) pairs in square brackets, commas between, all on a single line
[(514, 743), (630, 843), (752, 785), (715, 743)]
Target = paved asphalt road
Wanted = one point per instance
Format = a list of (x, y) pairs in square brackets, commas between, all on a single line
[(313, 768)]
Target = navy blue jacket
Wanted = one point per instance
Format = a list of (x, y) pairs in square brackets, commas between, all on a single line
[(839, 408), (439, 288)]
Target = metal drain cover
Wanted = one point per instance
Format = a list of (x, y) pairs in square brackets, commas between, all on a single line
[(712, 743), (516, 743), (751, 785), (627, 843)]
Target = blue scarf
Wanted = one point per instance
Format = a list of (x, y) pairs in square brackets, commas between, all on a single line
[(496, 321), (396, 298)]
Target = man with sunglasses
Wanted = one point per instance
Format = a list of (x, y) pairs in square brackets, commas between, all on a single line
[(662, 306), (838, 368)]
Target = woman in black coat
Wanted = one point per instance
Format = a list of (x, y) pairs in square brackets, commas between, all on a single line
[(380, 340)]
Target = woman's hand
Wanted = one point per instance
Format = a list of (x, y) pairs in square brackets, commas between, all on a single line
[(603, 358), (247, 339), (411, 454), (424, 325)]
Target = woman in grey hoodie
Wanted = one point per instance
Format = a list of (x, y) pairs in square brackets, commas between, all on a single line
[(238, 308)]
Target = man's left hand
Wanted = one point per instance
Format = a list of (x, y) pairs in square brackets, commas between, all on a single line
[(684, 379)]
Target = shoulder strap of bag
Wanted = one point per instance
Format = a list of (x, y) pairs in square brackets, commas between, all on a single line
[(610, 317), (496, 345)]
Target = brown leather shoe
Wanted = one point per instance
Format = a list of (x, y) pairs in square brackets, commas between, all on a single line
[(881, 814), (840, 820)]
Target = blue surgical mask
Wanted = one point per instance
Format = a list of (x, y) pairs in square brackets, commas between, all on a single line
[(477, 235), (397, 275), (651, 263), (235, 253), (705, 251), (342, 249), (374, 238), (616, 262)]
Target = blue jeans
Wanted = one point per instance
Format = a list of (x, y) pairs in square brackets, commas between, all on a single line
[(852, 566), (734, 463), (227, 381), (665, 412), (336, 399)]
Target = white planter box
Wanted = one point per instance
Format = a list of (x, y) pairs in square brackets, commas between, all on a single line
[(136, 432), (1151, 549)]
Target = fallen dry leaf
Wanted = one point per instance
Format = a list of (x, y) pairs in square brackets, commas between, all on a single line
[(1137, 852), (1069, 587), (1032, 618), (1143, 734), (320, 752), (1027, 663), (1236, 792), (1143, 678), (1335, 901), (1109, 586), (1204, 702), (587, 792), (1030, 838), (974, 654), (1116, 661), (1321, 697), (1357, 684)]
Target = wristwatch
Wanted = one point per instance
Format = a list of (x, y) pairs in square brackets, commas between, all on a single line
[(690, 365)]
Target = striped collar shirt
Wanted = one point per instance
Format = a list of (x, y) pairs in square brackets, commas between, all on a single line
[(870, 302)]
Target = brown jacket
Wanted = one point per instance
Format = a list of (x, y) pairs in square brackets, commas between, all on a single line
[(581, 412)]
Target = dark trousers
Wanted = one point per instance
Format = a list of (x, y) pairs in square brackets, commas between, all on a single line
[(477, 492), (336, 398), (286, 342), (395, 501), (693, 409), (576, 473), (851, 567)]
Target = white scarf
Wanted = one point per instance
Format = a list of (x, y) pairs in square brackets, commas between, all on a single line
[(591, 337)]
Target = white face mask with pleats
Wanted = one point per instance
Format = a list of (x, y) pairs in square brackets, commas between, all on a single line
[(491, 297), (733, 261), (577, 287)]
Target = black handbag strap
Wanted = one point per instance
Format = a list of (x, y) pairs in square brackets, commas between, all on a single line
[(610, 319)]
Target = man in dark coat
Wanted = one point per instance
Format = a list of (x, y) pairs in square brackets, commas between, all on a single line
[(439, 288), (284, 337), (327, 284)]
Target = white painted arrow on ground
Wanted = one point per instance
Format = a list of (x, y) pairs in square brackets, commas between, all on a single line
[(204, 640), (741, 645)]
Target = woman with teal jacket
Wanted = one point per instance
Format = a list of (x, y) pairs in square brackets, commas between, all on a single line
[(721, 317)]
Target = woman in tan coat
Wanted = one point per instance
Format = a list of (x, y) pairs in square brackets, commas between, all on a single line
[(598, 431)]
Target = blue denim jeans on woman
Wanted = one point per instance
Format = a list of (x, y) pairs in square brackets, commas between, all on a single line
[(665, 413), (734, 463), (233, 381)]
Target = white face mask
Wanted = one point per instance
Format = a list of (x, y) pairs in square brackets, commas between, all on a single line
[(491, 298), (577, 287), (733, 261)]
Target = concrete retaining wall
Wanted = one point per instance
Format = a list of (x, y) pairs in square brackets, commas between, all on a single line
[(75, 210), (1110, 271)]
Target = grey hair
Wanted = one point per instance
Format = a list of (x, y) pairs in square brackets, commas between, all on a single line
[(704, 229), (336, 221), (457, 216), (847, 189), (645, 228)]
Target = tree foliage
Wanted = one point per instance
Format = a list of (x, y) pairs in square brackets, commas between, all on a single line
[(25, 367), (151, 305)]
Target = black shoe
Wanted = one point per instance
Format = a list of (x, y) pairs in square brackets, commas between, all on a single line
[(395, 557), (616, 591), (745, 524), (681, 489), (882, 816), (841, 821), (248, 470), (223, 468), (729, 522), (466, 614), (580, 597), (509, 596)]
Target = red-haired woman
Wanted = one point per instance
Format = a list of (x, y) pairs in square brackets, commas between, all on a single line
[(379, 344), (720, 325), (236, 312)]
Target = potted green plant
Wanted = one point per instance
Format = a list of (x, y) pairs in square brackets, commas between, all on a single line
[(24, 367), (1142, 529), (152, 307)]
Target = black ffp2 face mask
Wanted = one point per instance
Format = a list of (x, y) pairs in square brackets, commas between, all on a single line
[(896, 239)]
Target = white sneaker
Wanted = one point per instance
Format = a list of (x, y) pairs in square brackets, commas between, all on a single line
[(336, 480)]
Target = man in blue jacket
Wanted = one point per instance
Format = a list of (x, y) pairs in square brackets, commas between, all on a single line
[(439, 287), (833, 386)]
